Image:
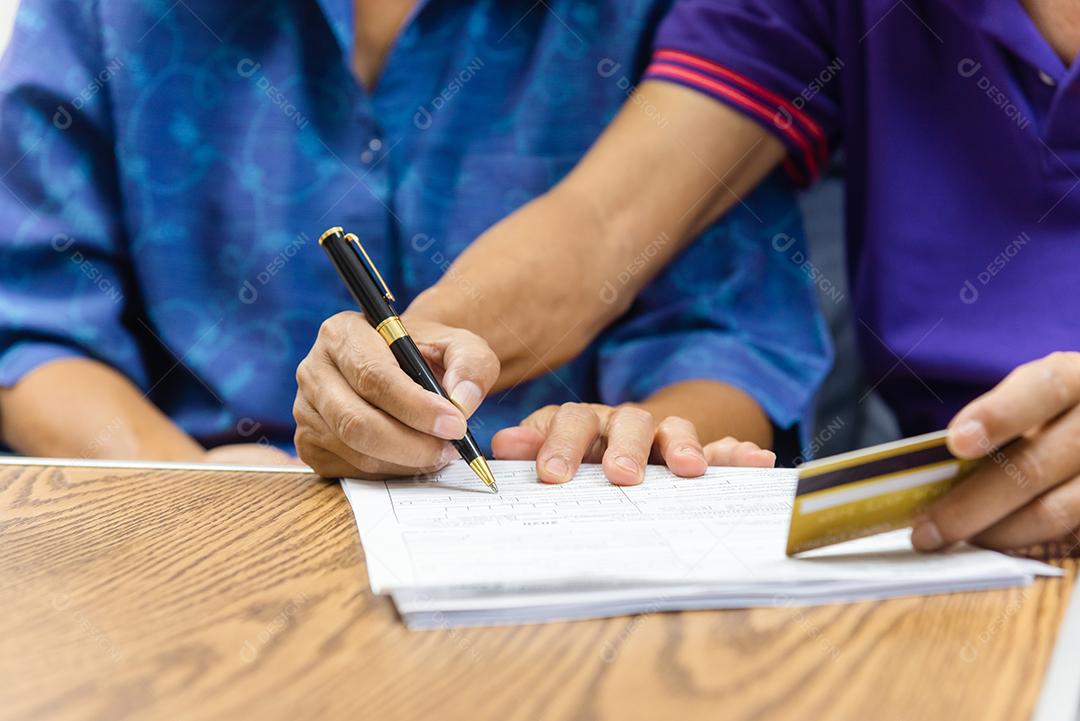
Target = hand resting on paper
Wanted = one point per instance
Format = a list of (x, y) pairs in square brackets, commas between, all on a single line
[(623, 438)]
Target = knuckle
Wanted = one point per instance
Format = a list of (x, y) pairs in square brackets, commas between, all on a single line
[(1062, 371), (335, 330), (370, 378), (544, 412), (675, 424), (351, 429), (538, 419), (1053, 515), (565, 416), (571, 422), (307, 419), (308, 449), (634, 414), (303, 376), (1064, 358), (575, 414), (1028, 468), (722, 446), (329, 328)]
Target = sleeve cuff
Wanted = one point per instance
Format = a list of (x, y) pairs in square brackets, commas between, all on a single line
[(800, 133), (22, 357), (786, 399)]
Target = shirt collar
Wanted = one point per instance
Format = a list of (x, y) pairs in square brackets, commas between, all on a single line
[(1008, 23), (339, 14)]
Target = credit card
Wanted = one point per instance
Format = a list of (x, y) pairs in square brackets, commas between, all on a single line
[(870, 491)]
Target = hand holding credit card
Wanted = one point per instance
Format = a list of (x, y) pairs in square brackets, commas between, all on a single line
[(870, 491)]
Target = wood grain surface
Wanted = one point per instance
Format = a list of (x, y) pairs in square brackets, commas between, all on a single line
[(199, 595)]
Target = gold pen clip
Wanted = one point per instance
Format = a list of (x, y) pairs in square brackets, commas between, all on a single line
[(372, 270)]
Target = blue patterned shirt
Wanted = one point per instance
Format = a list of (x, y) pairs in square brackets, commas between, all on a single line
[(168, 166)]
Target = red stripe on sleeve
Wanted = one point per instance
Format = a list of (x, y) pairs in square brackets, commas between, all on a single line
[(811, 125), (767, 114)]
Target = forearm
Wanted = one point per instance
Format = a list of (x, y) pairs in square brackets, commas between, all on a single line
[(84, 409), (541, 284), (717, 410), (534, 297), (671, 163)]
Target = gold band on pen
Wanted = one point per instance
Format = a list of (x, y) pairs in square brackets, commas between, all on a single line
[(392, 329), (331, 231)]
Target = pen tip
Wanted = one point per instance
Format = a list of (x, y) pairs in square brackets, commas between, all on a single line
[(483, 470)]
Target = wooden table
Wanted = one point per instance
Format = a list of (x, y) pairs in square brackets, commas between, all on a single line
[(204, 595)]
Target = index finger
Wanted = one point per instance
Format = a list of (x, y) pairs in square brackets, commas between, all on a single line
[(1003, 483), (1030, 396), (571, 432), (367, 364), (471, 367), (680, 447), (630, 435)]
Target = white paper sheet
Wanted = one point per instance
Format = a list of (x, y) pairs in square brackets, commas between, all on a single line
[(448, 549)]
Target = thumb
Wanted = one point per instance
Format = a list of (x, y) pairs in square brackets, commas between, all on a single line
[(470, 368)]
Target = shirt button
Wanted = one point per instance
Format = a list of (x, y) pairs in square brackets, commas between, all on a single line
[(375, 145), (366, 157), (1046, 79)]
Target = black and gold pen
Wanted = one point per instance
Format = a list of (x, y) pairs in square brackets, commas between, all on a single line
[(369, 289)]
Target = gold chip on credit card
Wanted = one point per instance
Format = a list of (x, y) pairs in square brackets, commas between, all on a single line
[(870, 491)]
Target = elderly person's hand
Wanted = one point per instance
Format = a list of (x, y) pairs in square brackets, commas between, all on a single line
[(358, 414), (623, 438)]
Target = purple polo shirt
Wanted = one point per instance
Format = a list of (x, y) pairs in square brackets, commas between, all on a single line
[(961, 132)]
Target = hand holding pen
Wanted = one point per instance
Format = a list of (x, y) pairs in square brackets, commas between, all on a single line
[(359, 414)]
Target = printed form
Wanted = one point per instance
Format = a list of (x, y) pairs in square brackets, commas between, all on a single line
[(444, 545)]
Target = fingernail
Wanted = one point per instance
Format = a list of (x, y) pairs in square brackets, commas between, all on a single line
[(976, 431), (467, 396), (765, 456), (627, 464), (558, 467), (449, 426), (925, 536), (449, 453)]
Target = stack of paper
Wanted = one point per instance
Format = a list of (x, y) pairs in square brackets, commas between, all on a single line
[(453, 554)]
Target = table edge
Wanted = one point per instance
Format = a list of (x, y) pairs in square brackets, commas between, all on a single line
[(148, 465), (1059, 699)]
